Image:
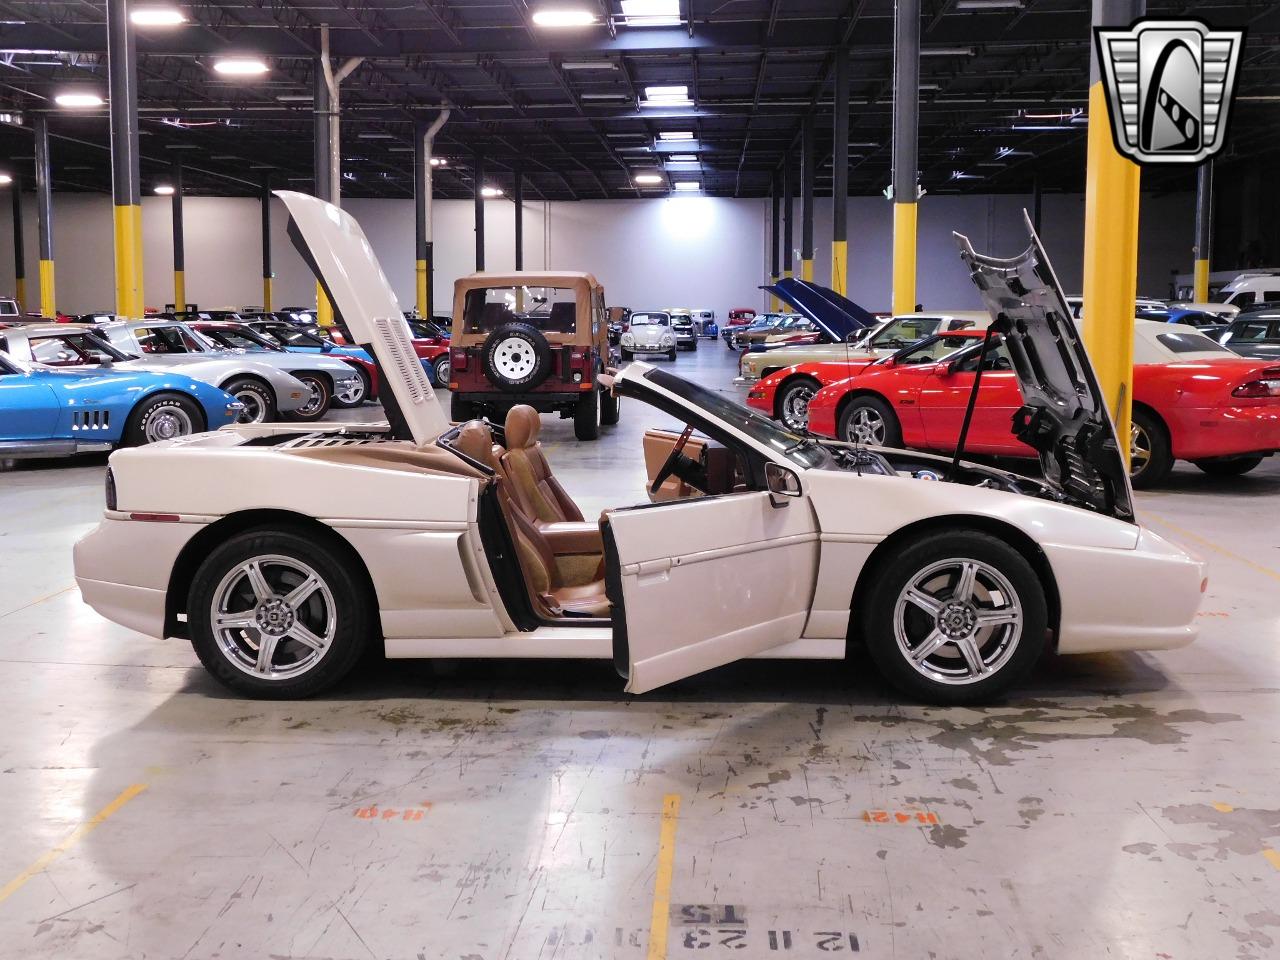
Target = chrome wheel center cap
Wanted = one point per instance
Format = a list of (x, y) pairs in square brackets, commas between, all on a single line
[(274, 617), (957, 620)]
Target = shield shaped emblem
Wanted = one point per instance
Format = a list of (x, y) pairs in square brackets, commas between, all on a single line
[(1169, 86)]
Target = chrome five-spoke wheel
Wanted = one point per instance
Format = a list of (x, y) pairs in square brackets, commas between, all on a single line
[(273, 616), (957, 621), (866, 425)]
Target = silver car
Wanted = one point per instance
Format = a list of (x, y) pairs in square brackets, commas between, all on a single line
[(171, 341), (646, 332), (264, 390)]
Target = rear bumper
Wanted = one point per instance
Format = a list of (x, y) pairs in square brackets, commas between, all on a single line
[(542, 402), (1199, 433)]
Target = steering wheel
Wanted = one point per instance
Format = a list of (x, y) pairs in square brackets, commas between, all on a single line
[(673, 459)]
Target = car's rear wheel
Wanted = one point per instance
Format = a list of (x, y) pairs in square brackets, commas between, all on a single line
[(869, 420), (277, 615), (1234, 467), (256, 397), (1150, 454), (955, 617), (586, 416), (163, 417), (609, 404), (793, 402), (460, 411), (443, 369), (319, 393), (356, 394)]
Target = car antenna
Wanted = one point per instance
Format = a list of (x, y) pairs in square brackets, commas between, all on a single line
[(973, 402)]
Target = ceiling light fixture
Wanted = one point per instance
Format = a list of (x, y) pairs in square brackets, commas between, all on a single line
[(651, 13), (375, 135), (491, 192), (675, 135), (946, 51), (5, 179), (564, 18), (604, 96), (157, 17), (687, 186), (988, 5), (295, 97), (588, 65), (78, 100), (647, 178), (674, 95), (683, 158), (241, 67), (164, 190), (439, 162)]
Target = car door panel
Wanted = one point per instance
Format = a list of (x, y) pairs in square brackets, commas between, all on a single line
[(30, 408), (700, 583), (944, 400)]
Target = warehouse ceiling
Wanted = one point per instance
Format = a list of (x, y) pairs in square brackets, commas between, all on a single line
[(1003, 93)]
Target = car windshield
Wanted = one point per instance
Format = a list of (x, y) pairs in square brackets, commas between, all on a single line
[(83, 347), (293, 337), (907, 330), (550, 309), (237, 339), (933, 349), (801, 450), (650, 320)]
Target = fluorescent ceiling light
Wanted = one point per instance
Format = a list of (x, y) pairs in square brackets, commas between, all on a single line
[(651, 13), (564, 18), (295, 97), (988, 4), (374, 135), (946, 51), (164, 190), (5, 178), (1042, 127), (588, 65), (490, 191), (241, 67), (604, 96), (647, 178), (439, 162), (78, 100), (929, 86), (687, 186), (675, 95), (863, 143), (683, 158), (157, 17), (675, 135)]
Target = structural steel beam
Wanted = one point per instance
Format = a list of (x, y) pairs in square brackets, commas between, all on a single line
[(126, 190), (775, 238), (268, 275), (424, 140), (1110, 240), (840, 178), (1204, 229), (906, 109), (808, 171), (788, 239), (478, 173), (179, 252), (44, 217), (19, 252)]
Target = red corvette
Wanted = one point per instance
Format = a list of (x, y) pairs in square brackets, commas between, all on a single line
[(1192, 400)]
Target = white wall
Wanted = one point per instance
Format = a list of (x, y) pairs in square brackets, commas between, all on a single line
[(691, 251)]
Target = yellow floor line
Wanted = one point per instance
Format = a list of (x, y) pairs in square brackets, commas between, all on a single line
[(1182, 531), (76, 835), (1273, 857), (661, 919), (37, 601)]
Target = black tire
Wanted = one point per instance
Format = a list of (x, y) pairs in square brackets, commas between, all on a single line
[(364, 393), (443, 367), (856, 423), (609, 407), (460, 411), (586, 416), (163, 416), (321, 389), (795, 392), (258, 398), (346, 602), (671, 354), (1008, 652), (1152, 439), (523, 351), (627, 354), (694, 346), (1235, 467)]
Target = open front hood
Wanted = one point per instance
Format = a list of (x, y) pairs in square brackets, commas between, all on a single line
[(334, 246), (835, 315), (1064, 415)]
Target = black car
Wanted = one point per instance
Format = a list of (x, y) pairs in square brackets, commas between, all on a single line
[(1254, 334)]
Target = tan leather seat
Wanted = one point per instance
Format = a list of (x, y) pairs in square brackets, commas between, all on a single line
[(536, 490), (537, 560)]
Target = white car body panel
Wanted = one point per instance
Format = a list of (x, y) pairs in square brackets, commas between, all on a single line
[(705, 581), (649, 338)]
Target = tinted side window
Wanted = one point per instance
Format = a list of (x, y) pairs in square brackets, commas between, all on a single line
[(1190, 343)]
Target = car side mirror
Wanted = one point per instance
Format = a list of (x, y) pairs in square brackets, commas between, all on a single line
[(783, 484)]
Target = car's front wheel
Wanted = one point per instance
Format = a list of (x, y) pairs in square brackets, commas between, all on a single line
[(793, 402), (1150, 453), (319, 393), (256, 398), (355, 394), (162, 417), (277, 615), (443, 369), (955, 617), (869, 420)]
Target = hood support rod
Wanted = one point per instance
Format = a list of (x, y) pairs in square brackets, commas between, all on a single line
[(973, 402)]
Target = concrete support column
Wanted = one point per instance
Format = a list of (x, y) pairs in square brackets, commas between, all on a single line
[(479, 201), (808, 171), (788, 234), (19, 252), (840, 178), (424, 140), (517, 195), (44, 217), (1110, 240), (179, 251), (1204, 229), (322, 169), (126, 189), (906, 110), (775, 238), (268, 275)]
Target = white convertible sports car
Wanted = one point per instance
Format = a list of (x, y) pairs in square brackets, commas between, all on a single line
[(457, 541)]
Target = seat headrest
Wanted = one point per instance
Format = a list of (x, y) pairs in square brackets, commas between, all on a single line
[(475, 439), (523, 424)]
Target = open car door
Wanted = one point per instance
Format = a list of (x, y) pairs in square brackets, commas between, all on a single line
[(696, 584)]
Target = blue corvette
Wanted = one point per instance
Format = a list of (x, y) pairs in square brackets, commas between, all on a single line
[(52, 412)]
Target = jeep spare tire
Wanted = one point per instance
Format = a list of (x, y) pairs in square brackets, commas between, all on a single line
[(516, 357)]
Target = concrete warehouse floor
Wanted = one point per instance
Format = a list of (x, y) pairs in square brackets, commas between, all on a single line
[(1119, 805)]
